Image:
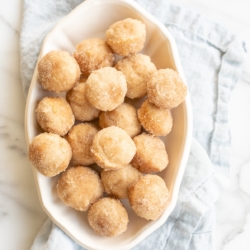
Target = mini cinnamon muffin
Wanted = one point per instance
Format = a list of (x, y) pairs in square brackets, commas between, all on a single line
[(58, 71), (81, 108), (93, 54), (108, 217), (155, 120), (148, 196), (106, 89), (124, 116), (126, 36), (80, 138), (137, 68), (79, 187), (166, 89), (55, 115), (151, 155), (112, 148), (116, 182), (50, 154)]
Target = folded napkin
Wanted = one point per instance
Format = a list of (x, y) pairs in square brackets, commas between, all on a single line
[(211, 58)]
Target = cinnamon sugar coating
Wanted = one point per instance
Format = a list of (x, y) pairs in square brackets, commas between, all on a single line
[(50, 154), (148, 196), (106, 89), (166, 89), (155, 120), (116, 182), (151, 155), (55, 115), (58, 71), (137, 68), (126, 36), (112, 148), (93, 54), (80, 138), (79, 187), (108, 217), (81, 108), (124, 116)]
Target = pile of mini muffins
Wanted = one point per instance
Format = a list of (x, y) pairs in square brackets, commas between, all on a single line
[(96, 87)]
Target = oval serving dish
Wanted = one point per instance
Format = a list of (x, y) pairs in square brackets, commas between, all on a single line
[(84, 23)]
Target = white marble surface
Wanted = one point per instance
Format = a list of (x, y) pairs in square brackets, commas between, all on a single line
[(21, 215)]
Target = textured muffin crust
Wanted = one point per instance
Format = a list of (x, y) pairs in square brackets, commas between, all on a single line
[(106, 89), (116, 182), (155, 120), (151, 155), (124, 116), (58, 71), (80, 138), (79, 187), (166, 89), (137, 68), (126, 36), (81, 108), (112, 148), (54, 115), (93, 54), (148, 196), (50, 154), (108, 217)]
